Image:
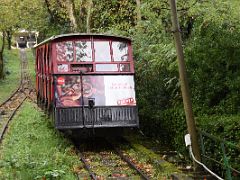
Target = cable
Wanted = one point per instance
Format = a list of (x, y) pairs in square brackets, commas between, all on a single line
[(188, 144), (205, 167)]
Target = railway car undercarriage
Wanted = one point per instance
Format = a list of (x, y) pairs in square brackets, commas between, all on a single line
[(96, 117)]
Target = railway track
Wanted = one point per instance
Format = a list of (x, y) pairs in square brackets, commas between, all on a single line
[(106, 158), (132, 164), (25, 90), (26, 84)]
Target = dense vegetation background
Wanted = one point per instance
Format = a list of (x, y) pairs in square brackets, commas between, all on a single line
[(211, 39)]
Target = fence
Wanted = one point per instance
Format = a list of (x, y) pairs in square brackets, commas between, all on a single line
[(225, 153)]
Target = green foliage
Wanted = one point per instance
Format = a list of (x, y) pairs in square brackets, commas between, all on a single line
[(58, 21), (8, 14), (156, 70), (211, 43), (113, 16), (212, 56), (11, 81), (226, 128)]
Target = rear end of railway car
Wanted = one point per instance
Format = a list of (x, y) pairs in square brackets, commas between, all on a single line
[(92, 82)]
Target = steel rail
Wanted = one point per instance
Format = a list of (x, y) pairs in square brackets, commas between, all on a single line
[(132, 165), (14, 92), (91, 173), (117, 152), (24, 76), (128, 161), (9, 119), (80, 153), (26, 80)]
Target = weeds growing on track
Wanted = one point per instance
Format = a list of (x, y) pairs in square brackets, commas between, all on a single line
[(142, 150), (32, 149), (31, 64)]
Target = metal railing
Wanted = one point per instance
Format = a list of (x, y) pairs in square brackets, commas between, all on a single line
[(221, 148)]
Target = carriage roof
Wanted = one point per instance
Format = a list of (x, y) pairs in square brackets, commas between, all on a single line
[(72, 35)]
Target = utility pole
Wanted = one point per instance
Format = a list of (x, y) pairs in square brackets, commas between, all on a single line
[(184, 83)]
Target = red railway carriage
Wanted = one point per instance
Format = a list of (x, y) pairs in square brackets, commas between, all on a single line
[(87, 81)]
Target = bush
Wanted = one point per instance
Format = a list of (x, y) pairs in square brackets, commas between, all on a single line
[(224, 128)]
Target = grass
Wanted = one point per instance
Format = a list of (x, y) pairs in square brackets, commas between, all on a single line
[(12, 65), (33, 149), (31, 64), (162, 168), (11, 81)]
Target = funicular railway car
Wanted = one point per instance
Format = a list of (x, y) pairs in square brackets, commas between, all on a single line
[(87, 81)]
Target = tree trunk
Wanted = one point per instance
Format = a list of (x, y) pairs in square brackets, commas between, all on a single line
[(47, 3), (89, 12), (82, 14), (9, 38), (71, 14), (139, 16), (69, 6), (55, 8), (1, 65), (1, 56)]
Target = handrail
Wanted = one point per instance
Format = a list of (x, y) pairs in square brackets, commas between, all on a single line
[(237, 171), (222, 143), (219, 139)]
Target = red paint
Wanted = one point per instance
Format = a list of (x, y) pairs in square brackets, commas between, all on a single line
[(129, 101), (47, 68), (61, 81)]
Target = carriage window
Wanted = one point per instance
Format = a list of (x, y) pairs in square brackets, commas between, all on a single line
[(124, 67), (106, 67), (65, 51), (120, 51), (62, 68), (102, 51), (83, 51)]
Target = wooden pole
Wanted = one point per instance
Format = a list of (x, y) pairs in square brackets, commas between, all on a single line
[(184, 83)]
